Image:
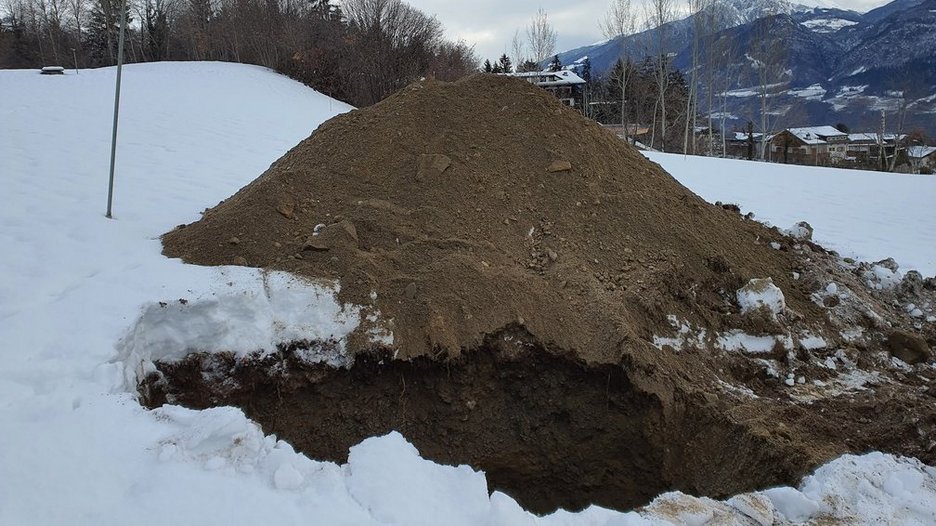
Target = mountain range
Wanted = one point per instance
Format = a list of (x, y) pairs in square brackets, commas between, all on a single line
[(837, 65)]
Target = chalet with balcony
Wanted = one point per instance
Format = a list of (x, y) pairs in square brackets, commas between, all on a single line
[(809, 145), (564, 84)]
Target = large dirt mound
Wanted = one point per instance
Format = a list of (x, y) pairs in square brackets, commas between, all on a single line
[(565, 315), (449, 202)]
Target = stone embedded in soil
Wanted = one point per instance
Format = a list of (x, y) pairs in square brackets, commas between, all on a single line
[(286, 209), (908, 347), (559, 166), (431, 166)]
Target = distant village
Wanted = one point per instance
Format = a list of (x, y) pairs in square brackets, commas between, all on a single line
[(819, 145)]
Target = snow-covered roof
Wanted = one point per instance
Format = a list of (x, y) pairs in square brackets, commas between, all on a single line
[(872, 137), (919, 152), (743, 136), (550, 78), (816, 134)]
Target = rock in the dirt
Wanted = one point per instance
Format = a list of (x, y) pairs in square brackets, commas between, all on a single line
[(342, 229), (431, 165), (410, 291), (287, 210), (911, 286), (802, 231), (908, 347), (888, 263), (240, 261), (234, 240), (559, 165), (314, 243), (335, 235)]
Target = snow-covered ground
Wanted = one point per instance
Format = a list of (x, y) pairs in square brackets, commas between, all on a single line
[(865, 215), (79, 312)]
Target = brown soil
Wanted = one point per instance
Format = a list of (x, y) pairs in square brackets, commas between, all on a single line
[(524, 297)]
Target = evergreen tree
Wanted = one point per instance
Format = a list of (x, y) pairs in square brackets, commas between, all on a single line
[(555, 64), (155, 25), (505, 64), (496, 68), (587, 71), (487, 66), (527, 66), (750, 140), (104, 30)]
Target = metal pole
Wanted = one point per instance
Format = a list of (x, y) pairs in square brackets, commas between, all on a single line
[(120, 46)]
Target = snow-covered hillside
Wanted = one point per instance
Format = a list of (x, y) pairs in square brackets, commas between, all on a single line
[(864, 215), (78, 449)]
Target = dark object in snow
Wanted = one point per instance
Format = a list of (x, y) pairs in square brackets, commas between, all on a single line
[(52, 70)]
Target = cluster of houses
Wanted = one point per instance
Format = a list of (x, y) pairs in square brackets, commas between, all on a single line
[(819, 145), (828, 145)]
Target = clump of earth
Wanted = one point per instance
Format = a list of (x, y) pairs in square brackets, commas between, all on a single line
[(564, 314)]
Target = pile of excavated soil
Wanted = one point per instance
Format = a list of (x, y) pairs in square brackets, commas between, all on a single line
[(442, 201), (565, 315)]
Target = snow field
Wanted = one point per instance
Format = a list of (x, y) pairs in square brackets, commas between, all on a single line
[(79, 308), (868, 216)]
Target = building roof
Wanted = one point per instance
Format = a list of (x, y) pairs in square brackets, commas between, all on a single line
[(562, 77), (872, 137), (919, 152), (816, 134), (741, 136)]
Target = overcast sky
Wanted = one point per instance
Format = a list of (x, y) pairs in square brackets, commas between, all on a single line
[(490, 24)]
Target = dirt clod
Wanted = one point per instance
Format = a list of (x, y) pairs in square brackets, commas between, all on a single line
[(908, 347)]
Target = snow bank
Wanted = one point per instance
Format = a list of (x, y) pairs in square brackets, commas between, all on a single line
[(248, 312)]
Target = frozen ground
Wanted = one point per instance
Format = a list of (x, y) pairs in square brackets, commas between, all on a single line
[(76, 448)]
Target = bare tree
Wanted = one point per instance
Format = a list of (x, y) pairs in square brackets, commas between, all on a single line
[(619, 23), (78, 13), (396, 44), (517, 49), (659, 13), (697, 13), (541, 37), (768, 53)]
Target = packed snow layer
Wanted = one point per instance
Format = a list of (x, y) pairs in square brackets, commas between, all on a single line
[(248, 312), (79, 298), (865, 215)]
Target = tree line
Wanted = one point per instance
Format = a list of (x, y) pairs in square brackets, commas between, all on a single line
[(359, 51)]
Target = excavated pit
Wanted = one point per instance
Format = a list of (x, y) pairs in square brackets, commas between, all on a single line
[(546, 429)]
